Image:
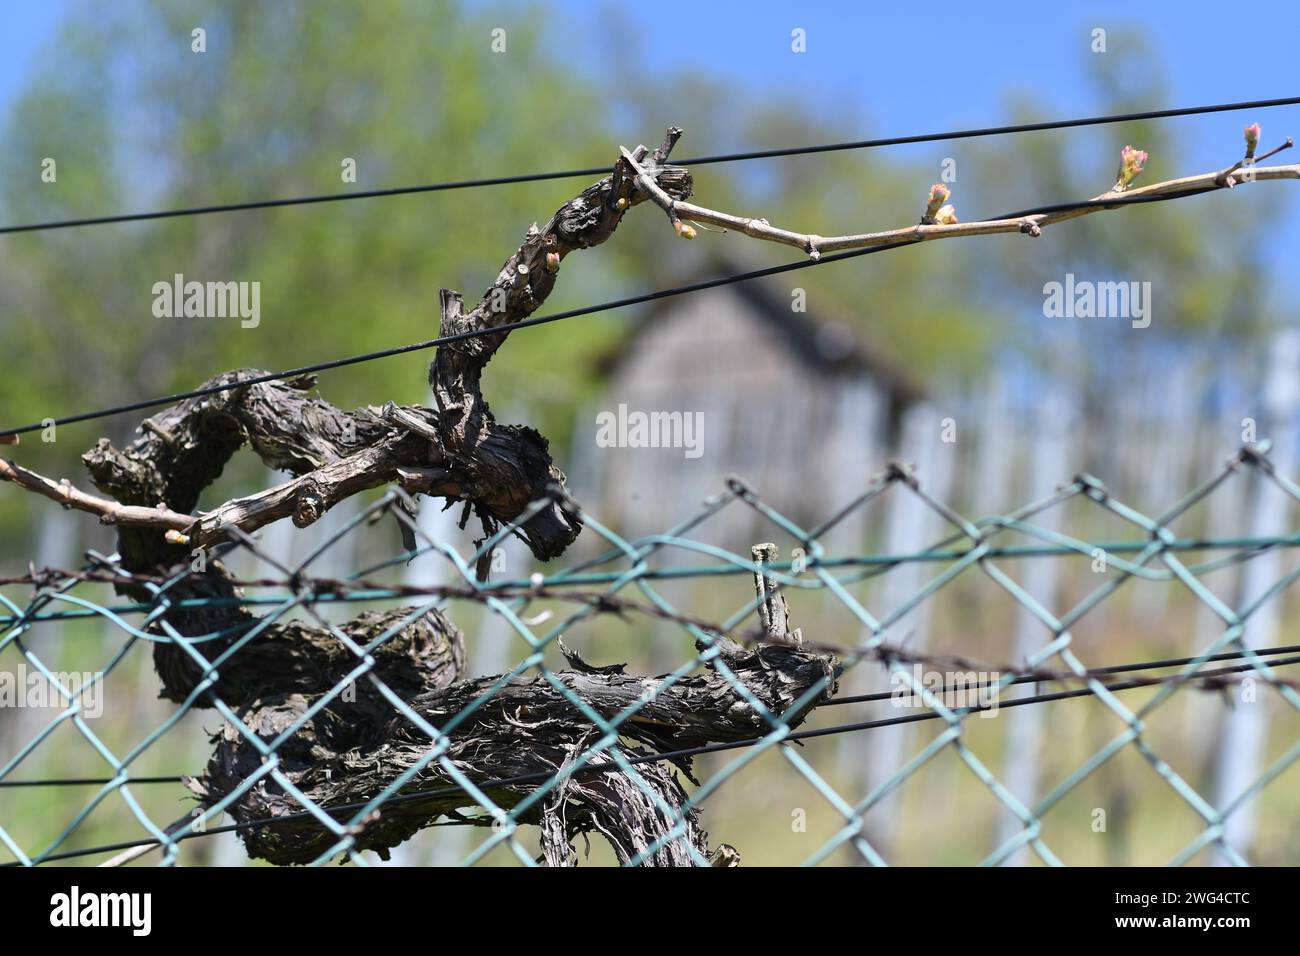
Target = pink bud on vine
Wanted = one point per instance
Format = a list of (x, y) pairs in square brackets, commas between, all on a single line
[(1252, 139), (939, 194), (1131, 161)]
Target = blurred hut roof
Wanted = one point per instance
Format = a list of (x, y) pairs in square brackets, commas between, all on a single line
[(824, 339)]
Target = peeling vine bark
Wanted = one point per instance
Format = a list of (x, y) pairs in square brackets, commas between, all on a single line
[(348, 753)]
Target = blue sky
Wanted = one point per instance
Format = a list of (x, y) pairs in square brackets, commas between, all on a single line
[(951, 64), (909, 67), (26, 30), (916, 68)]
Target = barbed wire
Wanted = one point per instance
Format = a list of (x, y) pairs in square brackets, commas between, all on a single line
[(327, 827), (946, 690), (1210, 680)]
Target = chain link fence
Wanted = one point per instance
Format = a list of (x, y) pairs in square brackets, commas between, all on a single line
[(346, 734)]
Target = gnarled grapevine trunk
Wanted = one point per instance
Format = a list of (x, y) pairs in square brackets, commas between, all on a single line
[(348, 753), (350, 743)]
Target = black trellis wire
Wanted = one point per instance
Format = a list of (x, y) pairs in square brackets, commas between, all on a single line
[(694, 161), (700, 286)]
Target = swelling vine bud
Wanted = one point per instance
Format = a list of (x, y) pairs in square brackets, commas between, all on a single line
[(1130, 165), (1252, 139), (684, 230), (939, 194), (946, 216)]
